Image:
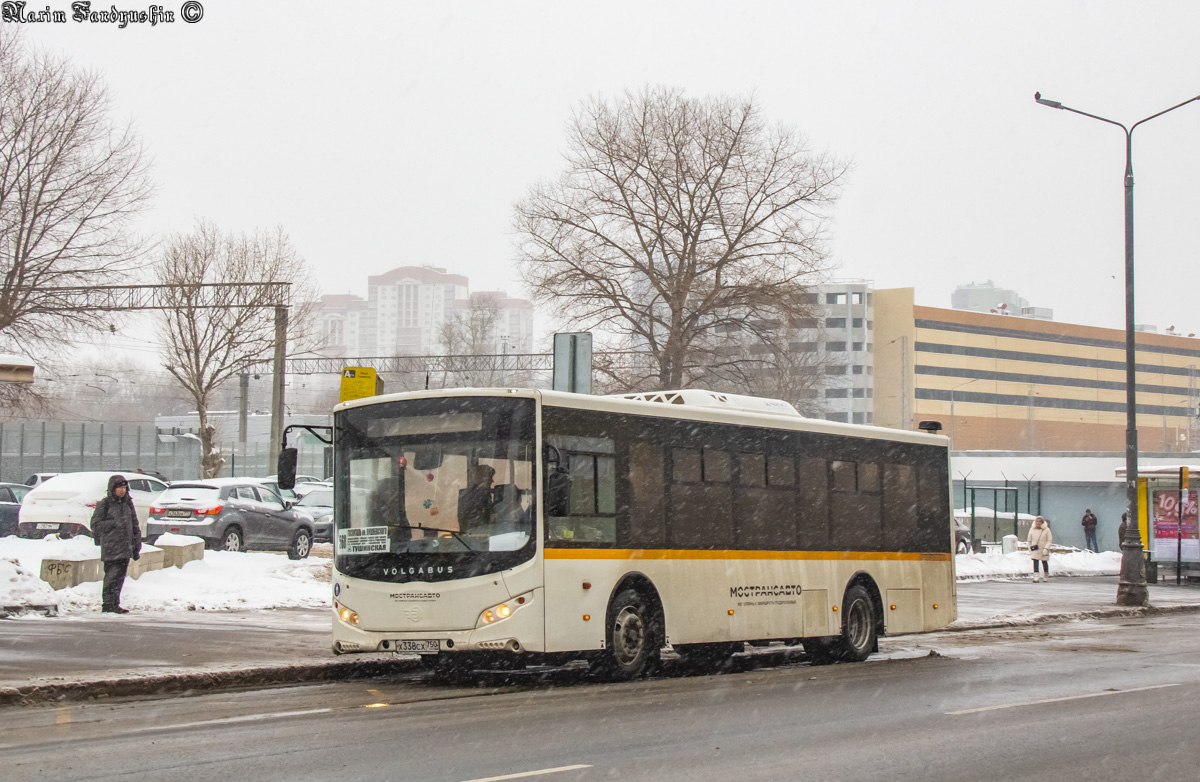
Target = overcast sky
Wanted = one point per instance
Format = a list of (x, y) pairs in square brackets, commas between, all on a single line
[(385, 134)]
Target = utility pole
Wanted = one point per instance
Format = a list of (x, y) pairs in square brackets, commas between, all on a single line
[(243, 406), (277, 380)]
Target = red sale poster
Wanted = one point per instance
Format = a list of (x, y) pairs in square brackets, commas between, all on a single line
[(1164, 510)]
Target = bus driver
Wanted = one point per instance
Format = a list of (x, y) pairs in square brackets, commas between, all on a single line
[(477, 501)]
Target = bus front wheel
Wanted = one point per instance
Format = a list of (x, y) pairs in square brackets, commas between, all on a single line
[(633, 639)]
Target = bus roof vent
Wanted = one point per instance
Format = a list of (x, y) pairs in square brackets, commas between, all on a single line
[(698, 397)]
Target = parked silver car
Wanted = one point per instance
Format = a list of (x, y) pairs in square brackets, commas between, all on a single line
[(318, 503), (232, 514)]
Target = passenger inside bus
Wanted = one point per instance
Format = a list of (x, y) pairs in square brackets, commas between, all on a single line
[(477, 502)]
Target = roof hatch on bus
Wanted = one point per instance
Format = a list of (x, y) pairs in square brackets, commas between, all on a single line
[(698, 397)]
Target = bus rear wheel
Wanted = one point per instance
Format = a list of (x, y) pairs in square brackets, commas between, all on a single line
[(858, 625), (633, 638)]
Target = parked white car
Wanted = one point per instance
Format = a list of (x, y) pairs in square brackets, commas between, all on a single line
[(65, 503)]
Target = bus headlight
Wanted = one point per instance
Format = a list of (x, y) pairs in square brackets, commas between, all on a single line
[(345, 614), (501, 611)]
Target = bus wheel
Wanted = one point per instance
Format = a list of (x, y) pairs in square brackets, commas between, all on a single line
[(708, 656), (858, 625), (633, 637)]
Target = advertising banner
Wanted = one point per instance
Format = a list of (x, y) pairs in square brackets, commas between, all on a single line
[(1164, 511)]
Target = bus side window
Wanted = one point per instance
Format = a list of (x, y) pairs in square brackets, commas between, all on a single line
[(580, 499), (647, 514)]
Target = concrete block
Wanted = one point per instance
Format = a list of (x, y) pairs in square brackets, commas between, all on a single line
[(64, 573), (151, 559), (179, 554)]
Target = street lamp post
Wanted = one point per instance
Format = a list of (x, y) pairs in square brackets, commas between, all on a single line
[(1132, 589)]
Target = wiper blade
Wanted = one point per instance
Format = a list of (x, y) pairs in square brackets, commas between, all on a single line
[(457, 537)]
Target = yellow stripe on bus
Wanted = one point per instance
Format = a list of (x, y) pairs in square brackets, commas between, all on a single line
[(611, 553)]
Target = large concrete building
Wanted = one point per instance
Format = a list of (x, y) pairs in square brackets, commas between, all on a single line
[(846, 328), (1022, 384), (406, 311), (987, 297)]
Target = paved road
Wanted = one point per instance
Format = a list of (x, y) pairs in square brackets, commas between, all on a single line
[(1092, 700), (89, 647)]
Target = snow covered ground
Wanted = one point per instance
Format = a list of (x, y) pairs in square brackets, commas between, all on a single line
[(981, 567), (225, 581), (222, 581)]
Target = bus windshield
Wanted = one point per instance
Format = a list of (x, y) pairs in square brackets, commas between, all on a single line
[(434, 489)]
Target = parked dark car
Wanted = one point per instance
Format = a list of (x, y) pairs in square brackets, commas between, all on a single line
[(962, 538), (318, 503), (11, 495), (234, 515)]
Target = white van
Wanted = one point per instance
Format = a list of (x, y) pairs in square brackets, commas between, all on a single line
[(65, 503)]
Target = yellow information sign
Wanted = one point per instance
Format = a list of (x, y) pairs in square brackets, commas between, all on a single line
[(359, 383)]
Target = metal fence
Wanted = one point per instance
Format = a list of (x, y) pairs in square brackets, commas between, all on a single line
[(53, 446)]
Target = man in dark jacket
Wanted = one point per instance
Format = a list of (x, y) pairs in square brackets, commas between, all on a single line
[(115, 528), (1089, 530)]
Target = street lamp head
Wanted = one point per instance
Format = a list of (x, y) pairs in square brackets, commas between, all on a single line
[(1037, 96)]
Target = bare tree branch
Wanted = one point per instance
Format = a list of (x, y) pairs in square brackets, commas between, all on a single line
[(677, 222), (71, 182), (206, 346)]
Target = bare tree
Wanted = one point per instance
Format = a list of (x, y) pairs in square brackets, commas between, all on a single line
[(471, 330), (71, 182), (676, 220), (206, 345)]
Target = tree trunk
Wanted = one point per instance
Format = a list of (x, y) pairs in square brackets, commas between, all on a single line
[(211, 460)]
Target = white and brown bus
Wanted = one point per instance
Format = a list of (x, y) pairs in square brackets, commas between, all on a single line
[(530, 525)]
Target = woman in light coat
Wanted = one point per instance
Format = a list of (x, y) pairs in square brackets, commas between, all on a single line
[(1039, 540)]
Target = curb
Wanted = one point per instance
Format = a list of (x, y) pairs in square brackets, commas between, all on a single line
[(341, 670), (1103, 613), (11, 612)]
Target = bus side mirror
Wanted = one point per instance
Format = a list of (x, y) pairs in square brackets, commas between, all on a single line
[(285, 472), (558, 492)]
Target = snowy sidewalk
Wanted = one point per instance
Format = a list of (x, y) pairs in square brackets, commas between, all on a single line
[(1020, 601)]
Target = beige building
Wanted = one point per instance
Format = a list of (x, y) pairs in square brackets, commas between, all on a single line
[(1021, 384)]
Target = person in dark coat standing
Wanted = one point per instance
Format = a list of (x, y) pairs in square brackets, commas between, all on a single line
[(115, 528), (1089, 530)]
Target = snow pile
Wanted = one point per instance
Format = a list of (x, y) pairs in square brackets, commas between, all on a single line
[(222, 581), (975, 567), (30, 553), (174, 539), (21, 588)]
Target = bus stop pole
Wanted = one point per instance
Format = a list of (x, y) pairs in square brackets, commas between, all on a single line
[(1179, 531)]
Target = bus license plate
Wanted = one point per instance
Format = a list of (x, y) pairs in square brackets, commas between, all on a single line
[(420, 647)]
